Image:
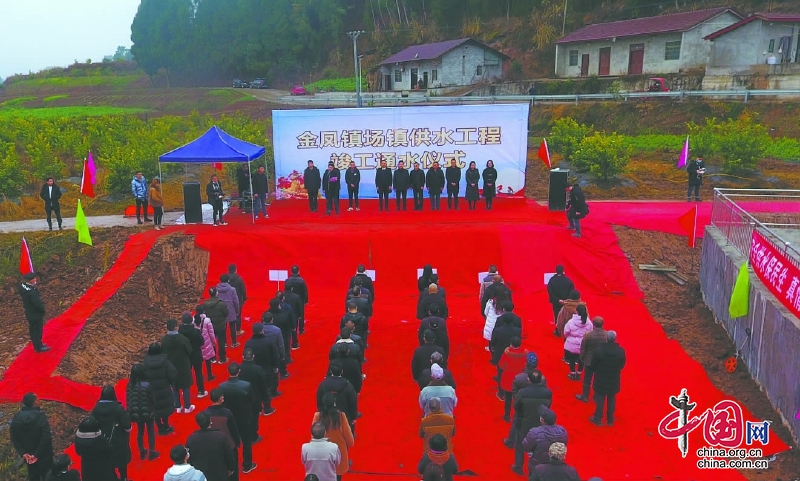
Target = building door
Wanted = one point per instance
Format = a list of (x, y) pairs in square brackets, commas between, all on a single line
[(636, 59), (387, 83), (585, 65), (414, 78), (604, 67), (425, 80)]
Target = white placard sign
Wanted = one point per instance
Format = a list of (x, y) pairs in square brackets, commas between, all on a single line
[(278, 276), (482, 276), (370, 274), (548, 276), (423, 134), (419, 272)]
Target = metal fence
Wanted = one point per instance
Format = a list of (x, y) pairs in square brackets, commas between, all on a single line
[(775, 213), (744, 95)]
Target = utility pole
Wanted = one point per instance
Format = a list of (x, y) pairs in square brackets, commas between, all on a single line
[(354, 35), (564, 23)]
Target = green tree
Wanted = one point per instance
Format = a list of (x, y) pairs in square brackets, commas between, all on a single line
[(566, 138), (742, 143), (605, 155)]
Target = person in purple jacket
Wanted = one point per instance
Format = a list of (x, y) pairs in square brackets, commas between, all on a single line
[(539, 439), (227, 294)]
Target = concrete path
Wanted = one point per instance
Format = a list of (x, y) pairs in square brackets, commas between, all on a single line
[(31, 225)]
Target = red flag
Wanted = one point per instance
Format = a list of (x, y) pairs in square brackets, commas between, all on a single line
[(218, 165), (25, 261), (544, 154), (689, 223), (86, 181)]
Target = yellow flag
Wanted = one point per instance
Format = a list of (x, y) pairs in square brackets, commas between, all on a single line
[(82, 226), (741, 294)]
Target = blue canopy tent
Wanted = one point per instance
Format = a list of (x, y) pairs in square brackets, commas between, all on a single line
[(214, 146)]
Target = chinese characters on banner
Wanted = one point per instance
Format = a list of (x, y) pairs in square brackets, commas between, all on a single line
[(422, 135), (776, 271)]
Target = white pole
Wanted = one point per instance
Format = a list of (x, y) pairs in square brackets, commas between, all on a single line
[(252, 197), (161, 181)]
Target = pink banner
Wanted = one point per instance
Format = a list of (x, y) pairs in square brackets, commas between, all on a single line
[(775, 270)]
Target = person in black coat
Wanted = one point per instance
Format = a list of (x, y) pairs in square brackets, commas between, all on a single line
[(282, 318), (346, 399), (350, 357), (346, 337), (352, 177), (489, 183), (417, 180), (421, 360), (694, 169), (366, 281), (50, 194), (61, 471), (296, 303), (358, 319), (453, 176), (383, 183), (141, 401), (297, 284), (179, 352), (215, 195), (34, 310), (558, 288), (312, 181), (260, 191), (210, 452), (115, 424), (267, 354), (608, 360), (251, 372), (473, 178), (196, 341), (223, 421), (438, 326), (161, 374), (239, 398), (401, 181), (577, 208), (97, 454), (434, 179), (494, 289), (503, 331), (508, 315), (527, 415), (427, 300), (331, 183), (31, 438)]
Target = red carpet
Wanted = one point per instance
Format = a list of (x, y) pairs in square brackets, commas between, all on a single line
[(525, 241), (650, 215)]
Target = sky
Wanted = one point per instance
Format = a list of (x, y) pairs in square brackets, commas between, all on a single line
[(36, 34)]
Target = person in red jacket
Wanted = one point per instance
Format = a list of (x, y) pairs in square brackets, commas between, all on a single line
[(511, 363)]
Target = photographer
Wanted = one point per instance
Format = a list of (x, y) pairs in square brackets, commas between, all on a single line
[(215, 196), (695, 169)]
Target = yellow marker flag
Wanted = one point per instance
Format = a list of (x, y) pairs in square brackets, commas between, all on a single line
[(741, 294), (82, 226)]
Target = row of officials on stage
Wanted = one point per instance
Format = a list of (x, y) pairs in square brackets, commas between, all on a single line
[(401, 180)]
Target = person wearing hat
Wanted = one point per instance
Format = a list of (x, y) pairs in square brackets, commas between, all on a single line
[(555, 468), (695, 169), (312, 182), (331, 185), (425, 377), (438, 389), (577, 208), (539, 439), (34, 310), (608, 360)]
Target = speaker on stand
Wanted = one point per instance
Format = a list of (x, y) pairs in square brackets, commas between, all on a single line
[(192, 203), (557, 195)]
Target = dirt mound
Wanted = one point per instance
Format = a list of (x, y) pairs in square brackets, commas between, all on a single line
[(169, 281), (64, 277), (684, 316)]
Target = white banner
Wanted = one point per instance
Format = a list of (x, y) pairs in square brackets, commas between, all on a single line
[(428, 134)]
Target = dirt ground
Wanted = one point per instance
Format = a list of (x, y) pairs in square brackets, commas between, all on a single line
[(63, 420), (63, 279), (685, 318), (168, 282)]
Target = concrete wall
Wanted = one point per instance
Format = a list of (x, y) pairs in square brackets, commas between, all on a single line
[(455, 68), (771, 354), (758, 77), (749, 44)]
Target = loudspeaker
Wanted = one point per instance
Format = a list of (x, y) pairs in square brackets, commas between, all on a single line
[(557, 196), (192, 203)]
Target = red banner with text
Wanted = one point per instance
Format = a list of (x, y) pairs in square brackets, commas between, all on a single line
[(776, 271)]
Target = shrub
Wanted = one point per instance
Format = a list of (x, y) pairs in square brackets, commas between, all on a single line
[(12, 177), (606, 156), (566, 137), (740, 143)]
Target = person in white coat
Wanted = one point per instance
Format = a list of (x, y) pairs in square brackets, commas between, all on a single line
[(491, 312), (573, 336)]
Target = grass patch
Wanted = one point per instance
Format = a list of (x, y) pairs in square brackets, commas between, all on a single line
[(335, 85), (230, 96), (53, 98), (16, 102), (115, 81), (73, 111)]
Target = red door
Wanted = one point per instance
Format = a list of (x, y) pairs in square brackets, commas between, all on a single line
[(636, 59), (605, 61), (585, 65)]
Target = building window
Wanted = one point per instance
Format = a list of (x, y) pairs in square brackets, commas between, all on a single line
[(434, 75), (398, 76), (573, 58), (672, 50), (771, 45), (479, 70)]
